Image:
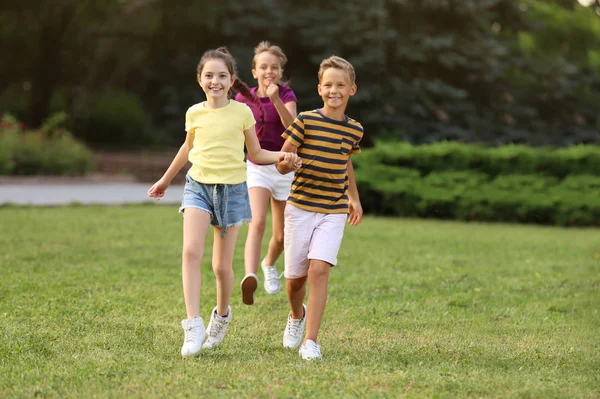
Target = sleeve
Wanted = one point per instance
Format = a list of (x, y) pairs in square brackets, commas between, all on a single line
[(248, 118), (295, 132), (188, 120), (288, 95), (356, 147)]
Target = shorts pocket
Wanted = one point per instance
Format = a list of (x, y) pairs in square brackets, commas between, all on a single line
[(241, 188)]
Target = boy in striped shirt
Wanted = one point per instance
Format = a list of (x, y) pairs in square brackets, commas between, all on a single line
[(323, 197)]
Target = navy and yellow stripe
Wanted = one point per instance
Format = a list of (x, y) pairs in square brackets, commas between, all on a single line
[(325, 145)]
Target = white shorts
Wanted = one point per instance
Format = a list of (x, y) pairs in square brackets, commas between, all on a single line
[(310, 235), (267, 176)]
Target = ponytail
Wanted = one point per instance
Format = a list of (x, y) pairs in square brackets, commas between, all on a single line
[(241, 87)]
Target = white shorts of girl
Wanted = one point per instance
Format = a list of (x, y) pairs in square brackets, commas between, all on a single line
[(310, 235), (267, 176)]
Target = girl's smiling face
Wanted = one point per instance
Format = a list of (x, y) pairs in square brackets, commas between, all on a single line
[(215, 79), (267, 69)]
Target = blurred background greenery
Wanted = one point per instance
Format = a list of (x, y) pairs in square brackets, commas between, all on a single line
[(479, 89), (491, 71)]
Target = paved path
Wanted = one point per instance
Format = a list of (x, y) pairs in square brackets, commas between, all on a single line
[(47, 194)]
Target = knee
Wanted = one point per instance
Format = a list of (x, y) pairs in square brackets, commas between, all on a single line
[(222, 272), (278, 238), (296, 284), (318, 269), (192, 252), (258, 226)]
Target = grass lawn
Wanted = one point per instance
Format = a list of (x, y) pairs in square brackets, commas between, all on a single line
[(91, 304)]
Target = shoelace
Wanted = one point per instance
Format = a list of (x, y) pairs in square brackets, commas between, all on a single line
[(216, 327), (192, 334), (293, 326), (272, 277)]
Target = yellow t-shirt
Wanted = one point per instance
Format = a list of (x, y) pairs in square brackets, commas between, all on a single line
[(218, 153)]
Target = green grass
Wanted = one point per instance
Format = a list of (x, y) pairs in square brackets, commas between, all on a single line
[(91, 303)]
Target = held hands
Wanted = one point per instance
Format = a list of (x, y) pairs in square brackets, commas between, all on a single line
[(273, 92), (288, 161), (356, 212), (157, 191)]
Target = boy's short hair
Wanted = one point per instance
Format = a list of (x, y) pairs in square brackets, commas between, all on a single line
[(339, 63)]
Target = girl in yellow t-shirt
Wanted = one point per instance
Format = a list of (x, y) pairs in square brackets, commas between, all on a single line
[(215, 192)]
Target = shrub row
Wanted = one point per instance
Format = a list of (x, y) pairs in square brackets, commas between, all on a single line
[(492, 161), (49, 151), (573, 201)]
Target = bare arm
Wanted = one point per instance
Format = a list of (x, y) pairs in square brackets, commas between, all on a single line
[(355, 207), (157, 191), (256, 153), (180, 159), (287, 112), (352, 189), (282, 167)]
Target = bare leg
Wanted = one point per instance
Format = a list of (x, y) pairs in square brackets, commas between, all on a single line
[(296, 290), (195, 228), (318, 279), (222, 263), (259, 202), (276, 242)]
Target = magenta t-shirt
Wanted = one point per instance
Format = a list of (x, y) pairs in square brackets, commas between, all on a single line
[(270, 139)]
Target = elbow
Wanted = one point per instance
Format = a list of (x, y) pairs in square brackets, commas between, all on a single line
[(254, 155)]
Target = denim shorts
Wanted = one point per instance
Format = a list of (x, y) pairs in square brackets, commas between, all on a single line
[(227, 204)]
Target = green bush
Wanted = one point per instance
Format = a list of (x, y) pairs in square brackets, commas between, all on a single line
[(577, 159), (116, 118), (376, 181), (574, 201), (510, 159), (518, 183), (49, 151)]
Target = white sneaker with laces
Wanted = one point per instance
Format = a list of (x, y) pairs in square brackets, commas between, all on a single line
[(272, 279), (217, 326), (310, 351), (294, 331), (248, 285), (194, 336)]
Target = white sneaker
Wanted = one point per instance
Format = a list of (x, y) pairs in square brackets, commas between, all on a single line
[(248, 285), (294, 331), (217, 327), (310, 351), (194, 336), (272, 284)]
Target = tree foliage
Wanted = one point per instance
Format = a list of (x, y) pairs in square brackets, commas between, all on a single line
[(493, 71)]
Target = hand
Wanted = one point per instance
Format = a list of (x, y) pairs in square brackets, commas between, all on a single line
[(296, 161), (288, 161), (157, 191), (273, 92), (356, 212)]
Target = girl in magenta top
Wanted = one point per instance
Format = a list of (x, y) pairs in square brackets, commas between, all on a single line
[(274, 107)]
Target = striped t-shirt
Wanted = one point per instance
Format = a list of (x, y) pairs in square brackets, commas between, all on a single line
[(325, 145)]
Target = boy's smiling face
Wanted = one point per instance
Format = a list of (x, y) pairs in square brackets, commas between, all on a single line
[(336, 88)]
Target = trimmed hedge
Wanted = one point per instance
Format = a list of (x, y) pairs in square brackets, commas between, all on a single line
[(443, 156), (467, 182), (520, 198)]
